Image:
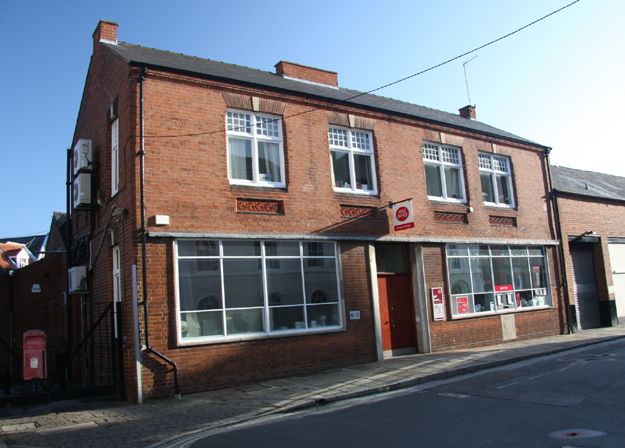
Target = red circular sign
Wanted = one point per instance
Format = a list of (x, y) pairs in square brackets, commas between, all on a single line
[(402, 214)]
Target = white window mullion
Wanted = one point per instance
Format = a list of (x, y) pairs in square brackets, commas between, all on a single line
[(265, 293), (441, 170), (223, 289), (117, 292), (301, 259), (352, 170), (114, 157), (493, 182), (254, 152)]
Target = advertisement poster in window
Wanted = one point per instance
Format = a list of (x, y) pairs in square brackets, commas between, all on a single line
[(463, 305), (403, 218), (437, 304)]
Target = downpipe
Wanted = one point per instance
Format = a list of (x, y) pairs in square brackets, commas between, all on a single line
[(144, 276), (556, 212)]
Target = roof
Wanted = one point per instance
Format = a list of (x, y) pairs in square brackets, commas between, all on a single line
[(9, 250), (588, 183), (157, 59), (35, 243)]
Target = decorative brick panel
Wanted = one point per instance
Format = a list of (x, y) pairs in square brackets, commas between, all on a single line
[(237, 101), (260, 206), (245, 102), (502, 221), (355, 211), (338, 119), (272, 107), (350, 121), (455, 218)]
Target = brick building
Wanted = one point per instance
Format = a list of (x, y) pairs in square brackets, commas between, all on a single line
[(262, 208), (33, 297), (591, 209)]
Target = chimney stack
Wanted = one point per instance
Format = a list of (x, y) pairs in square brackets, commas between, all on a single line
[(307, 74), (105, 32), (468, 112)]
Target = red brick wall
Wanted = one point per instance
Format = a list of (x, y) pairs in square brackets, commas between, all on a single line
[(579, 214), (108, 79), (307, 73), (186, 177)]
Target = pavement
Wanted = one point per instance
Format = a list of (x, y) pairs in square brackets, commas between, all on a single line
[(105, 422)]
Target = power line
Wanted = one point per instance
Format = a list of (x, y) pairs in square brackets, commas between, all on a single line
[(391, 83)]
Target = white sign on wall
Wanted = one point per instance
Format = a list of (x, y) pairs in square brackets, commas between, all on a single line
[(438, 304), (403, 218)]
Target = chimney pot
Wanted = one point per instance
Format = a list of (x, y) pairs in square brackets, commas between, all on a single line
[(468, 112)]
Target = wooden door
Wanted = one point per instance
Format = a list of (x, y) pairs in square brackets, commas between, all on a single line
[(396, 311)]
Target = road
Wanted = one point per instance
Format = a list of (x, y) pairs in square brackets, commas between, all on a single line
[(574, 399)]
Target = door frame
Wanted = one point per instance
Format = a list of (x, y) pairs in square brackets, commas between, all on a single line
[(422, 330)]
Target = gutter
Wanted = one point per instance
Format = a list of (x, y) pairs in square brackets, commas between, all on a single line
[(316, 237)]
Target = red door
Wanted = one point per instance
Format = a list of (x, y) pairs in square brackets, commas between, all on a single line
[(396, 311)]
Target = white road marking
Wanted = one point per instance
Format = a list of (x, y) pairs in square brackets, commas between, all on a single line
[(448, 394)]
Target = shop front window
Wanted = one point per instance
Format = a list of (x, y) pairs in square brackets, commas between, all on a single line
[(256, 288), (491, 279)]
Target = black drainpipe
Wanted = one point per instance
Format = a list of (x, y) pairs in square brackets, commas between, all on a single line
[(148, 347), (12, 275), (68, 252), (571, 327)]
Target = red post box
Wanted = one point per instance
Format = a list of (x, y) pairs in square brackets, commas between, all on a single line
[(34, 348)]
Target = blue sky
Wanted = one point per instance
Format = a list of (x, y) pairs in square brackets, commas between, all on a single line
[(558, 83)]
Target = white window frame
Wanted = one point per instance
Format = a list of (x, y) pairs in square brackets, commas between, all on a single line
[(117, 285), (265, 266), (255, 136), (352, 146), (116, 274), (441, 162), (497, 166), (115, 157)]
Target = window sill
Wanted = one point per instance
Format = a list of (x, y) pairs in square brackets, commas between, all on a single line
[(499, 207), (256, 336), (258, 187), (347, 191), (437, 200), (496, 313)]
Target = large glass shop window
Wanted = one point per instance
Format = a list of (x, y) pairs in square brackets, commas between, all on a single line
[(491, 279), (234, 288)]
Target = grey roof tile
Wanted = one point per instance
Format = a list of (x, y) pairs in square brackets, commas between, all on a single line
[(588, 183), (137, 55)]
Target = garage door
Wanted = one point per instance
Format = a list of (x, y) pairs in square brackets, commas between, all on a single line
[(617, 260), (585, 288)]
